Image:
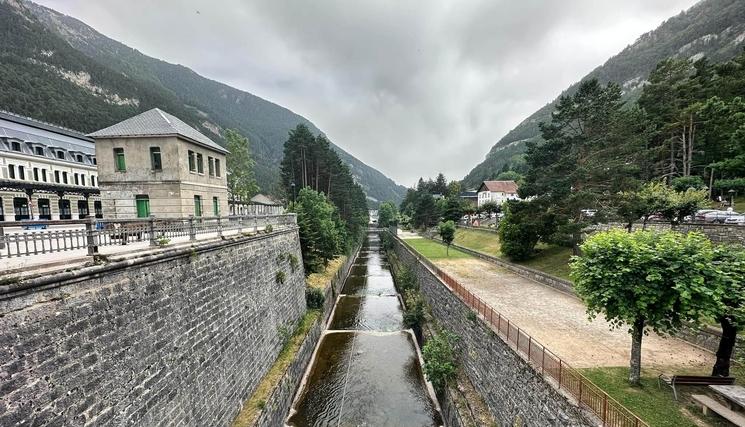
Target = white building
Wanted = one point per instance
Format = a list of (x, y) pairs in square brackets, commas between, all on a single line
[(46, 171), (497, 192)]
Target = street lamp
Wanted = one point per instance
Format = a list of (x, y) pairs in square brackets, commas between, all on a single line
[(732, 199), (293, 192)]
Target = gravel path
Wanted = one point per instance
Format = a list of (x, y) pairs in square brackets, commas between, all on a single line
[(560, 322)]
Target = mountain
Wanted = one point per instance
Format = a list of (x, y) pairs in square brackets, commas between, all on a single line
[(56, 68), (714, 29)]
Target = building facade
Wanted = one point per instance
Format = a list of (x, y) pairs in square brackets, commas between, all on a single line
[(46, 172), (497, 192), (155, 164)]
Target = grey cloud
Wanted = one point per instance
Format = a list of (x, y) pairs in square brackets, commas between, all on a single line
[(411, 88)]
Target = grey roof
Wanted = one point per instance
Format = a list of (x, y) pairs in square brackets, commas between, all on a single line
[(25, 129), (156, 122)]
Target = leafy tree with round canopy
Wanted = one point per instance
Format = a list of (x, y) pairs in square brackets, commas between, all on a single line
[(387, 214), (447, 233), (322, 232), (646, 280), (730, 262)]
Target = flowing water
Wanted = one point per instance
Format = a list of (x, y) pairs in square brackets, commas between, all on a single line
[(366, 371)]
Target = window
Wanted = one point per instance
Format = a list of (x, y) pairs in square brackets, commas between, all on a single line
[(93, 160), (45, 212), (61, 155), (211, 165), (200, 165), (64, 209), (98, 208), (2, 213), (155, 162), (56, 177), (15, 146), (36, 174), (217, 168), (143, 205), (197, 205), (82, 209), (64, 177), (93, 180), (77, 181), (119, 162), (12, 171), (21, 173), (82, 180), (80, 158), (192, 162), (39, 151), (216, 206), (44, 175), (20, 208)]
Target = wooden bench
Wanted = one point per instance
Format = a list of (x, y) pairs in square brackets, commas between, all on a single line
[(707, 403), (675, 380)]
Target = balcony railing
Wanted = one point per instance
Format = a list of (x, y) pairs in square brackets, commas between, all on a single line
[(43, 237)]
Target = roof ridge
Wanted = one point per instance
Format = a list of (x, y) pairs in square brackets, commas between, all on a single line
[(163, 114), (37, 121)]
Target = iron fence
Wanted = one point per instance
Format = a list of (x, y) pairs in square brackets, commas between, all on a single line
[(37, 238), (587, 394)]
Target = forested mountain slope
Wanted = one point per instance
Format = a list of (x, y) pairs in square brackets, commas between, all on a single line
[(711, 28), (58, 69)]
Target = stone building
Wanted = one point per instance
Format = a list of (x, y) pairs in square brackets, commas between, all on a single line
[(46, 171), (155, 164)]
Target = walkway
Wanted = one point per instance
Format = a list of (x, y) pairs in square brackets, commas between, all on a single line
[(559, 321)]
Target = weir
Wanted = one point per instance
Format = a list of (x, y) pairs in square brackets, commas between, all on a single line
[(366, 369)]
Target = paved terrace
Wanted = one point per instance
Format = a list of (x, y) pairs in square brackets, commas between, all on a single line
[(559, 321), (18, 240)]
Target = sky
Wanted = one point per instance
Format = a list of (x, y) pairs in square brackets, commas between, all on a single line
[(411, 88)]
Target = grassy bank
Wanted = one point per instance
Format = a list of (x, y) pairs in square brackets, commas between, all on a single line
[(553, 260), (434, 250), (322, 279)]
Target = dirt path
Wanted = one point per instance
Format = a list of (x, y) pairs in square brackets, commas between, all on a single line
[(560, 322)]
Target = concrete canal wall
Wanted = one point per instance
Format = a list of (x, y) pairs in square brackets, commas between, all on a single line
[(512, 389), (176, 337)]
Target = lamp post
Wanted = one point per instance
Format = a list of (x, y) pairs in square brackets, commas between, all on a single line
[(293, 192), (731, 199)]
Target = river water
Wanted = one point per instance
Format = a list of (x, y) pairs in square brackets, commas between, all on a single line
[(366, 371)]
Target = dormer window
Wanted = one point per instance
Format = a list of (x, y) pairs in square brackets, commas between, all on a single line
[(15, 146), (39, 151), (61, 155), (79, 158)]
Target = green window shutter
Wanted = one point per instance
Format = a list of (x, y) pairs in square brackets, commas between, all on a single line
[(216, 206), (197, 206)]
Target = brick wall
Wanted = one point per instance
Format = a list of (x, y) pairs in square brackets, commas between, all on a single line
[(177, 338), (512, 389)]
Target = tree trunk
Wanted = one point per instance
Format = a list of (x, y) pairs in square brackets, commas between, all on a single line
[(726, 345), (635, 364)]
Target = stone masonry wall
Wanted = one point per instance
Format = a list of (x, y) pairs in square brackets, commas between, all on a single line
[(178, 337), (512, 389), (718, 233)]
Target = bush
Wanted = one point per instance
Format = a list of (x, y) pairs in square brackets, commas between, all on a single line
[(683, 183), (280, 277), (406, 280), (439, 359), (314, 298), (415, 309), (518, 232)]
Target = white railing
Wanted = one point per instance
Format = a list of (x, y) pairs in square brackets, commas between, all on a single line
[(37, 237)]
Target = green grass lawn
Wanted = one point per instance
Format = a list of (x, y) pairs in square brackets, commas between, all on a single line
[(655, 405), (553, 260), (434, 250)]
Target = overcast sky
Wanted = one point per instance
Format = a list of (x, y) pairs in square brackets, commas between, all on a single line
[(409, 87)]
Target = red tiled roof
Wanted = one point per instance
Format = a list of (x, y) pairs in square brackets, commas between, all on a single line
[(499, 186)]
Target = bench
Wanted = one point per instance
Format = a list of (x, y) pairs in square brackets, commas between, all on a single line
[(707, 403), (674, 380)]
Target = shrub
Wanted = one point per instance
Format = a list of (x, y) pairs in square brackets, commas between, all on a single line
[(439, 359), (314, 298), (406, 280), (294, 262), (268, 228), (415, 309), (683, 183), (280, 277)]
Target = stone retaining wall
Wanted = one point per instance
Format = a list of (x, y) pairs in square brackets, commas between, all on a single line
[(719, 233), (280, 400), (512, 389), (175, 337)]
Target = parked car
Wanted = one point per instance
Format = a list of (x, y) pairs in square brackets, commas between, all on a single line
[(719, 216), (735, 220), (700, 215)]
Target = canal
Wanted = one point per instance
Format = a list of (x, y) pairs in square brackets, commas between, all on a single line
[(366, 370)]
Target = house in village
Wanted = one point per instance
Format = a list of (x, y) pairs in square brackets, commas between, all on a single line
[(155, 164), (497, 192), (47, 172)]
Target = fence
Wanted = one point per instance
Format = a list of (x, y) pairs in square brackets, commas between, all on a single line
[(588, 395), (94, 233)]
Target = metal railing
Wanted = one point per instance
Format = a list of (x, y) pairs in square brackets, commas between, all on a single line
[(93, 233), (588, 395)]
